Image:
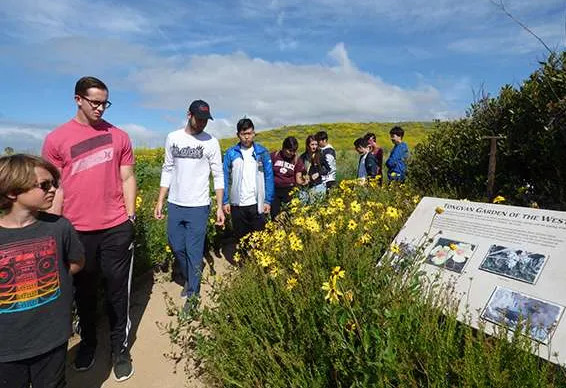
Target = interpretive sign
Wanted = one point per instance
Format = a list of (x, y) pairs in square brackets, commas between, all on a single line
[(507, 263)]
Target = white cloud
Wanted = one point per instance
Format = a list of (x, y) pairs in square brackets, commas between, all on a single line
[(142, 136), (22, 137), (278, 93), (37, 19)]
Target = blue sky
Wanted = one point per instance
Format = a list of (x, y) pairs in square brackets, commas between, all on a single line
[(278, 62)]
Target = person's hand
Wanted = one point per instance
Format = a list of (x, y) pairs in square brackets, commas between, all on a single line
[(158, 211), (266, 208), (220, 218), (226, 208), (315, 176)]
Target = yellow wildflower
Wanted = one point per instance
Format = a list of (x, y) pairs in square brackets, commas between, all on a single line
[(299, 221), (274, 272), (392, 212), (355, 207), (349, 295), (439, 210), (295, 202), (291, 283), (365, 238), (394, 248), (167, 249), (351, 326), (311, 225), (237, 257), (297, 268), (367, 216), (295, 242), (499, 199), (352, 224), (416, 199), (139, 202), (264, 259), (331, 228), (338, 272), (333, 293)]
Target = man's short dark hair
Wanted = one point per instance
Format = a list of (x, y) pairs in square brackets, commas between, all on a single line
[(396, 130), (244, 124), (86, 83), (361, 142), (321, 135), (369, 136)]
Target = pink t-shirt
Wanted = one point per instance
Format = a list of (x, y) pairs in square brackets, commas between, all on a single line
[(89, 159)]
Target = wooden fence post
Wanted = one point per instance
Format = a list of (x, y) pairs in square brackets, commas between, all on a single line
[(491, 167)]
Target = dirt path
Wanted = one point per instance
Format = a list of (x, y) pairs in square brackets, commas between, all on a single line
[(149, 344)]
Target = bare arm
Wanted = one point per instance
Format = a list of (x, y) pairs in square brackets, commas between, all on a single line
[(300, 179), (220, 217), (158, 210), (129, 188)]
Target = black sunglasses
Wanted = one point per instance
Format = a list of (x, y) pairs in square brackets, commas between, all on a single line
[(47, 185)]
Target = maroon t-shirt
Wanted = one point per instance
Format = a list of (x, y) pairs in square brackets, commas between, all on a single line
[(284, 170)]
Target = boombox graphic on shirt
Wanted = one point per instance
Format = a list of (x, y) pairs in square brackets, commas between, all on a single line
[(29, 274)]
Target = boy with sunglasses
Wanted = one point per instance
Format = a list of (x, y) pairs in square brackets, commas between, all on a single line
[(38, 254)]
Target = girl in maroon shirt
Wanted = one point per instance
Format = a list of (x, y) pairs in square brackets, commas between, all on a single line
[(288, 172)]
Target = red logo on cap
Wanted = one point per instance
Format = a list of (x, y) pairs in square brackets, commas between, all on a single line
[(203, 108)]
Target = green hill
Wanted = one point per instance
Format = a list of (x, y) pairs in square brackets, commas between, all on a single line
[(341, 135)]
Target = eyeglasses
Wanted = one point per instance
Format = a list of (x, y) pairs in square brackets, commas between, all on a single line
[(47, 185), (95, 104)]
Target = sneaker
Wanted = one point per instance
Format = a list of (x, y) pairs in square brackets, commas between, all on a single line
[(123, 368), (85, 357), (185, 290)]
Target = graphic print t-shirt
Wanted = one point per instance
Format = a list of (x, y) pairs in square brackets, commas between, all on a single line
[(285, 169), (189, 160), (90, 159), (36, 287)]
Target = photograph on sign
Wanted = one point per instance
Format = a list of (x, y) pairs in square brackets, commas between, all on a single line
[(507, 307), (450, 254), (518, 264)]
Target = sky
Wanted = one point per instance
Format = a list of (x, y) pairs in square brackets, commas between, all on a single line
[(278, 62)]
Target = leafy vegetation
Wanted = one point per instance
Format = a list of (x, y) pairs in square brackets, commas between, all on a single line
[(531, 121), (312, 306)]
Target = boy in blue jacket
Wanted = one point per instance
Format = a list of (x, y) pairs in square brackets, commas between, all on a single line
[(397, 161), (248, 182)]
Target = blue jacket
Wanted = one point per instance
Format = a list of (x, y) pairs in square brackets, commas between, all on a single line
[(397, 162), (233, 169)]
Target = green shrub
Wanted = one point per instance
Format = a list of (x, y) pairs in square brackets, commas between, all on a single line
[(531, 120)]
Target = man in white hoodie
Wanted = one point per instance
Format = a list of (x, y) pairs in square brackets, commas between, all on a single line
[(190, 156)]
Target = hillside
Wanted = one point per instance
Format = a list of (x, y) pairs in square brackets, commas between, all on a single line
[(341, 135)]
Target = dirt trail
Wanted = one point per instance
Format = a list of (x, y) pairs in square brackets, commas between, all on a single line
[(149, 344)]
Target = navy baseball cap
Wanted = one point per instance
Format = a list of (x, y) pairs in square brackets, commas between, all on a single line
[(200, 110)]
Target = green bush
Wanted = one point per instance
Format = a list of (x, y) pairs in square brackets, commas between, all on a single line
[(531, 120)]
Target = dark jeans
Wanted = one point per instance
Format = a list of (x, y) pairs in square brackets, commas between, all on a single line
[(44, 371), (281, 197), (246, 219), (109, 252), (186, 231)]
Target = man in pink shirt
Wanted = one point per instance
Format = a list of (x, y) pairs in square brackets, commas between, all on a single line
[(97, 194)]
